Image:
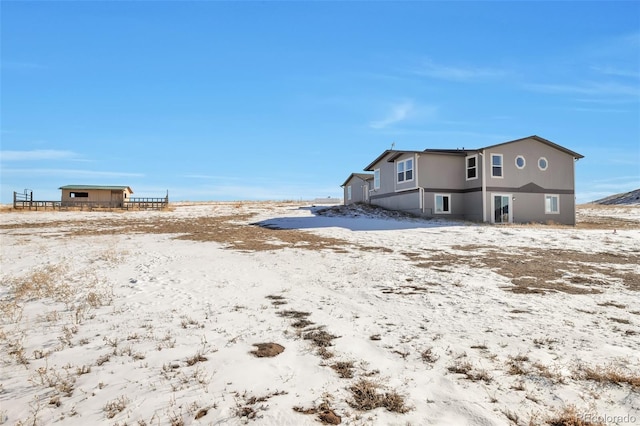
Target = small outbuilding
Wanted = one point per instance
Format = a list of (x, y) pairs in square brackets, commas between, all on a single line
[(95, 195)]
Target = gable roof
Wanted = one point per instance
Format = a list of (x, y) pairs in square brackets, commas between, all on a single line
[(541, 140), (465, 152), (103, 187), (363, 176), (395, 155)]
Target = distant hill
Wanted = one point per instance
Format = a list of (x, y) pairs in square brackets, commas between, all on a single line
[(632, 197)]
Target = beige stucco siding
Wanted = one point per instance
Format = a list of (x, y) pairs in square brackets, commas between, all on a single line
[(558, 175), (358, 187), (441, 171)]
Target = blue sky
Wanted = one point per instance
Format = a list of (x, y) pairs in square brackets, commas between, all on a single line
[(283, 100)]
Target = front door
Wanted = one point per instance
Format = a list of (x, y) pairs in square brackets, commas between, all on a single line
[(501, 205)]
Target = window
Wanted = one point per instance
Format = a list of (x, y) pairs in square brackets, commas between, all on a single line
[(472, 167), (543, 163), (79, 194), (405, 170), (496, 165), (376, 179), (551, 204), (349, 192), (442, 203), (520, 162)]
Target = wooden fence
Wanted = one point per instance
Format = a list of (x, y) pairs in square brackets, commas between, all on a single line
[(25, 201)]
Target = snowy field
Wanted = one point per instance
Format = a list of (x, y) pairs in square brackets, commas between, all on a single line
[(280, 313)]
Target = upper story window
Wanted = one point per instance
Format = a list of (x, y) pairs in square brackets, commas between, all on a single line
[(472, 167), (543, 163), (496, 165), (405, 170), (376, 179), (520, 162)]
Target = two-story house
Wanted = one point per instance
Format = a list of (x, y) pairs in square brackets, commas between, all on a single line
[(520, 181)]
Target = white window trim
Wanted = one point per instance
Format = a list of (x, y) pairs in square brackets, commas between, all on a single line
[(349, 193), (413, 173), (557, 197), (501, 166), (376, 172), (545, 160), (524, 162), (466, 167), (435, 203)]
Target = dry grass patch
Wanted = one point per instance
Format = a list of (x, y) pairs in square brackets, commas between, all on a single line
[(569, 416), (366, 396), (299, 316), (116, 406), (537, 270), (249, 407), (44, 282), (428, 356), (608, 374), (614, 304), (325, 413), (344, 369), (466, 368), (267, 350), (319, 337)]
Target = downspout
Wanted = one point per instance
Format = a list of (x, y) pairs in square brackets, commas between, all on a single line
[(421, 189), (484, 190), (575, 160)]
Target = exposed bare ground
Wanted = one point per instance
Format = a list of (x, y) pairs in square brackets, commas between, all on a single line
[(536, 270), (531, 270)]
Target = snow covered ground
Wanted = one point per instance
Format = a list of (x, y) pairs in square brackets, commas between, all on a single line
[(290, 314)]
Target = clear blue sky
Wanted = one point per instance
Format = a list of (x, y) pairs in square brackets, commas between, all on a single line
[(283, 100)]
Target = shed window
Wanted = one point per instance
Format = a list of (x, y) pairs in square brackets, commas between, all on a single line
[(79, 194)]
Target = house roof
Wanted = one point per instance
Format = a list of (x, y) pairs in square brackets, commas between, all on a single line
[(363, 176), (542, 140), (104, 187), (395, 154)]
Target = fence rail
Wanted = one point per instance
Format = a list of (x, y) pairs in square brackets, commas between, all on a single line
[(26, 201)]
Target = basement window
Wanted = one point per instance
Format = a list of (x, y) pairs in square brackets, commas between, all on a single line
[(443, 203)]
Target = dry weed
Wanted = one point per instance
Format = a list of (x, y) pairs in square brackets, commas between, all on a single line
[(365, 397), (607, 374), (112, 408), (570, 416), (344, 369)]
